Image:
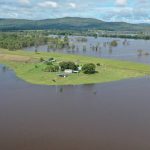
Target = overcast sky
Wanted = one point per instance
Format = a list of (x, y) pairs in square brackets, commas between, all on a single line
[(134, 11)]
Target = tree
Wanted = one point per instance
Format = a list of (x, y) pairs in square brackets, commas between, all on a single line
[(89, 68), (11, 46), (19, 40), (68, 65), (114, 43), (66, 40), (52, 68), (41, 59)]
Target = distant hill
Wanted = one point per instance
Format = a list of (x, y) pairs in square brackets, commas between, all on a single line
[(69, 23)]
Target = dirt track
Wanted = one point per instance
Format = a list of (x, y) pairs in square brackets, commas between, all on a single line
[(15, 58)]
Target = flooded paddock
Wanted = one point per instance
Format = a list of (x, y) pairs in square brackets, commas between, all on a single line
[(126, 49), (109, 116)]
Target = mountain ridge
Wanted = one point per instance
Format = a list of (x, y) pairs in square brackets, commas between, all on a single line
[(69, 23)]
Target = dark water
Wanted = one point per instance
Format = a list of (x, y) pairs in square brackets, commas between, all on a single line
[(112, 116), (127, 49)]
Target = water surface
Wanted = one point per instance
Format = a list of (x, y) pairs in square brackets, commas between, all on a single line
[(112, 116), (127, 49)]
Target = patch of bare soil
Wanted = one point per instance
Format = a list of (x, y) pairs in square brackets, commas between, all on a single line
[(15, 58)]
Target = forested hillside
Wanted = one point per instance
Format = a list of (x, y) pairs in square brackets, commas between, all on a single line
[(69, 23)]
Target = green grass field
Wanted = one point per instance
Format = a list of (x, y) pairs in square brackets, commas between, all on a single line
[(23, 63)]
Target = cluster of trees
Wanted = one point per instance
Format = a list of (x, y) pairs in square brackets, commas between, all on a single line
[(51, 68), (96, 33), (142, 52), (58, 42), (125, 36), (114, 43), (18, 40), (22, 39), (82, 39), (89, 68), (68, 65)]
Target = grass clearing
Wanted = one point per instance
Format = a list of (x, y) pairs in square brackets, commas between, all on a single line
[(23, 63)]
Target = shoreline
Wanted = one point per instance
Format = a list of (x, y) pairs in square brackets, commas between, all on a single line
[(23, 64)]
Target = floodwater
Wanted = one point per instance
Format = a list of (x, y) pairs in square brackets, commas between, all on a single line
[(127, 49), (111, 116)]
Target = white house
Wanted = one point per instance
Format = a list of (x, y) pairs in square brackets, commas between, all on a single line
[(79, 68), (68, 71)]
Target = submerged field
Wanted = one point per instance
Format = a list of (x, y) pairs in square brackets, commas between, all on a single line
[(28, 67)]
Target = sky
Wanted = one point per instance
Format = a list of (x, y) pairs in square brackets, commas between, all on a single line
[(132, 11)]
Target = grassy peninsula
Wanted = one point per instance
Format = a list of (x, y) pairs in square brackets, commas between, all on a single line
[(28, 67)]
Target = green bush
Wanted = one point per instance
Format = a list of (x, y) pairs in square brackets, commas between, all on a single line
[(36, 66), (51, 68), (41, 59), (50, 59), (68, 65), (114, 43), (48, 63), (89, 68), (98, 64)]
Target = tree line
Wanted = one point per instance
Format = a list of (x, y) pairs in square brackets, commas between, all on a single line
[(19, 40)]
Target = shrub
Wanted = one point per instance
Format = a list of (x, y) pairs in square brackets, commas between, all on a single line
[(147, 53), (98, 64), (36, 66), (140, 52), (89, 68), (114, 43), (48, 63), (68, 65), (51, 68), (50, 59), (41, 59)]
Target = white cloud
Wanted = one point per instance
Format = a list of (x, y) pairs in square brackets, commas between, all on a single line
[(135, 11), (24, 1), (72, 5), (121, 2), (48, 4)]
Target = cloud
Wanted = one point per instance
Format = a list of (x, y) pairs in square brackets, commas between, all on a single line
[(24, 1), (135, 11), (48, 4), (121, 2), (72, 5)]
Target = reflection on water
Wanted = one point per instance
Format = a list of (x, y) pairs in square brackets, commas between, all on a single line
[(127, 49), (112, 116)]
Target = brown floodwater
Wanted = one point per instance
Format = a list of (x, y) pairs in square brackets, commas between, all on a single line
[(110, 116), (127, 49)]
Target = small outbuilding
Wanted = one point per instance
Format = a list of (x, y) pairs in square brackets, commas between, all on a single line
[(79, 68), (75, 71)]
